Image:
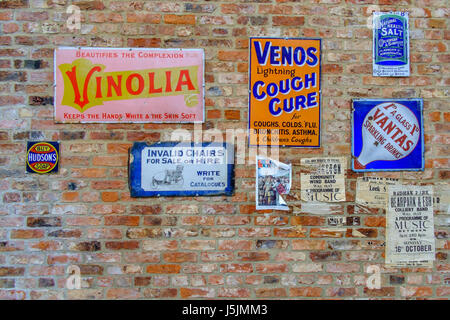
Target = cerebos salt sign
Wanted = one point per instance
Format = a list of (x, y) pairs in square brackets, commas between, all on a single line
[(387, 135), (390, 44), (129, 85)]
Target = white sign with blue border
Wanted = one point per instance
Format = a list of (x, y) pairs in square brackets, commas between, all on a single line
[(390, 44), (181, 169), (387, 135)]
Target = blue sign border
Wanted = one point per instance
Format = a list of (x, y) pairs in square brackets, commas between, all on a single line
[(135, 174), (418, 152), (250, 93)]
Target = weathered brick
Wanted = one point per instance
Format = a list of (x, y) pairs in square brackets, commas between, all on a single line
[(179, 19), (163, 268), (44, 222), (11, 271), (119, 245)]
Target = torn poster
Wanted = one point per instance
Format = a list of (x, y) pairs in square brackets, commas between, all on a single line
[(442, 198), (323, 179), (343, 221), (410, 226), (372, 191), (273, 179)]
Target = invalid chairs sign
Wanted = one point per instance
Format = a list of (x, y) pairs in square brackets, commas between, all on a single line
[(387, 135), (284, 92), (181, 169), (129, 85)]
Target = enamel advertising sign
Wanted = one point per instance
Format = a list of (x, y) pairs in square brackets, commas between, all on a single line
[(42, 157), (410, 239), (284, 92), (387, 135), (181, 169), (390, 44), (129, 85)]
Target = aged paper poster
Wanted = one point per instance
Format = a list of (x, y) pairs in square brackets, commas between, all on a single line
[(273, 179), (372, 191), (323, 179), (410, 226)]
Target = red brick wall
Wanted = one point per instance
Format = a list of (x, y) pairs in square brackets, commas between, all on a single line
[(206, 247)]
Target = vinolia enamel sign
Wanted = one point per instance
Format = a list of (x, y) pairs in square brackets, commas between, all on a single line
[(390, 44), (181, 169), (387, 135), (129, 85)]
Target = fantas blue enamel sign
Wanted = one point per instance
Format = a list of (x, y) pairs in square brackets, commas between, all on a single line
[(42, 157), (387, 135), (181, 169), (390, 44)]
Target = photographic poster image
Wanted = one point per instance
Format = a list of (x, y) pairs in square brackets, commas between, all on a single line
[(323, 179), (273, 180), (284, 92), (410, 238), (371, 192), (129, 85), (390, 44)]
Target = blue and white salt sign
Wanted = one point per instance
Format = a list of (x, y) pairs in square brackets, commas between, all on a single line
[(390, 44), (181, 169), (387, 135)]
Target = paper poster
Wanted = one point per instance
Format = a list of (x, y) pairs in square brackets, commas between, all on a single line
[(181, 169), (343, 221), (42, 157), (441, 198), (284, 92), (387, 135), (390, 44), (323, 179), (410, 226), (372, 191), (273, 180), (129, 85)]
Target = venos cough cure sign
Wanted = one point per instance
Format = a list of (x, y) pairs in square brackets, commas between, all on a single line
[(387, 135), (284, 92), (129, 85)]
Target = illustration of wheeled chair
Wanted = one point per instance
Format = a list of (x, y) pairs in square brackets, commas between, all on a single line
[(168, 177)]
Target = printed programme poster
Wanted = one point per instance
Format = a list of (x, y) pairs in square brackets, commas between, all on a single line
[(284, 92), (273, 180), (390, 44), (410, 226), (129, 85), (181, 169), (371, 192), (387, 135), (323, 179)]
